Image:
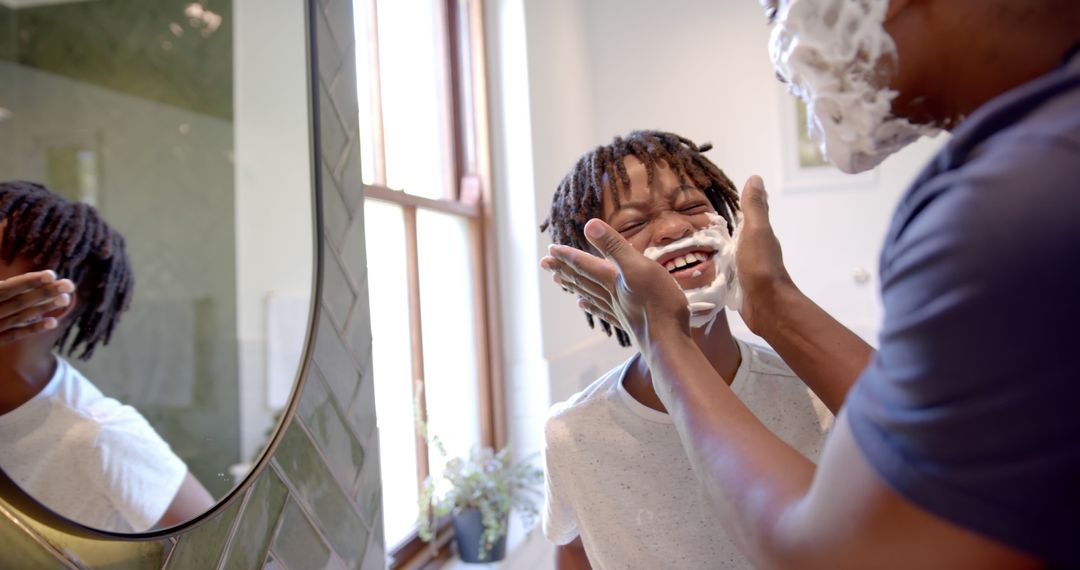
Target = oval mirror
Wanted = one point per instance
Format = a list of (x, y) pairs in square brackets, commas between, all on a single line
[(182, 126)]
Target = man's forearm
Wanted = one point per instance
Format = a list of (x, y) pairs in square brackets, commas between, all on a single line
[(825, 354), (750, 474)]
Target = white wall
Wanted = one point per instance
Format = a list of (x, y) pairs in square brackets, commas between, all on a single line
[(273, 191), (568, 75)]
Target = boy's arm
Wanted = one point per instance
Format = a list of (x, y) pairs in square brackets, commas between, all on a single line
[(572, 556), (191, 500)]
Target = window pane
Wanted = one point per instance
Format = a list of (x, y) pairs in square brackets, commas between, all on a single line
[(388, 291), (365, 39), (446, 301), (415, 102)]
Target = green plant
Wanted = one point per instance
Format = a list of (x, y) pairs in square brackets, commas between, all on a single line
[(488, 481)]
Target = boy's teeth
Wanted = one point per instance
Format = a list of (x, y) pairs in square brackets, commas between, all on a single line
[(679, 262), (670, 266)]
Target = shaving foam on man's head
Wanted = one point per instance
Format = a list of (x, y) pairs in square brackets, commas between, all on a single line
[(833, 55), (708, 301)]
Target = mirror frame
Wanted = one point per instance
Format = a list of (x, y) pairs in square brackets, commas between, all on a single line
[(27, 505)]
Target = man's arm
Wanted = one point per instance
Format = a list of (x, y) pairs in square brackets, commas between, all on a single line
[(572, 556), (780, 510)]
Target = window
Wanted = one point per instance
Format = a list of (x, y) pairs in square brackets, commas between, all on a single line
[(423, 135)]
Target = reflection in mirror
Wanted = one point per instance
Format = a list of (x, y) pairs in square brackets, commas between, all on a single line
[(147, 117)]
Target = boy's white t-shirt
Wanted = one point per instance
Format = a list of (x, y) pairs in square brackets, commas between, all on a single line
[(617, 474), (88, 457)]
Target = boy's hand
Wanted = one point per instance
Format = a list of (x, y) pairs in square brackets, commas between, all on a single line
[(626, 287), (31, 303)]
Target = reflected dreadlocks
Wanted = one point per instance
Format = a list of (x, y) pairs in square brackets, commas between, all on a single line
[(580, 194), (72, 239)]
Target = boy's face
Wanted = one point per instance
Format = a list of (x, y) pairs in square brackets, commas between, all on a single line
[(654, 216)]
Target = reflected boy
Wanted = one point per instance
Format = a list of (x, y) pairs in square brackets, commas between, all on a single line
[(82, 454), (621, 492)]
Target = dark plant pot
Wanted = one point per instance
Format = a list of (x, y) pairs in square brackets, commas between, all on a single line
[(469, 532)]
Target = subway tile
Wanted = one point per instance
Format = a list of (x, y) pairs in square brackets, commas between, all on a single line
[(367, 492), (315, 393), (343, 453), (339, 18), (351, 180), (358, 334), (375, 557), (298, 545), (272, 563), (354, 253), (329, 57), (338, 296), (335, 212), (95, 553), (335, 361), (258, 520), (316, 489), (20, 550), (201, 547), (333, 130), (362, 414)]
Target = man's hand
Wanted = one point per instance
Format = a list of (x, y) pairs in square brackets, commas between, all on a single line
[(626, 288), (31, 303), (759, 260)]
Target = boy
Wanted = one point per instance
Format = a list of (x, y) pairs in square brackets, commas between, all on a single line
[(621, 493), (83, 455)]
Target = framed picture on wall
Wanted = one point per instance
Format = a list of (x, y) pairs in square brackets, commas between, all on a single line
[(804, 166)]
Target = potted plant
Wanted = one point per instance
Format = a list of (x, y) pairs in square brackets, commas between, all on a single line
[(479, 492)]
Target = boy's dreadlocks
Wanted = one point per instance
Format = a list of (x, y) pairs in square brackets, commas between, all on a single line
[(580, 194), (72, 239)]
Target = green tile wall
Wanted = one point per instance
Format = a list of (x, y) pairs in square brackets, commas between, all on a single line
[(147, 48), (318, 503), (7, 33)]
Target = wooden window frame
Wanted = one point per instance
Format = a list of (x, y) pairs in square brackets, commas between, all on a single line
[(470, 199)]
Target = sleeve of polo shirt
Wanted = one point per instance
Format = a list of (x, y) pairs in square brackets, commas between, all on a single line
[(971, 407)]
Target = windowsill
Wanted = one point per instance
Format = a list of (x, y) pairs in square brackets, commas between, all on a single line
[(533, 552)]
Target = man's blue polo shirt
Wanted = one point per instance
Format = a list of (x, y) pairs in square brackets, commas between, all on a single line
[(971, 407)]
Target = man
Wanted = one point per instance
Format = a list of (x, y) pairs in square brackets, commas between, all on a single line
[(620, 491), (956, 445)]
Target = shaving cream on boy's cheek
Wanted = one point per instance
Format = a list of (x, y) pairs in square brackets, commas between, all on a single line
[(833, 55), (707, 302)]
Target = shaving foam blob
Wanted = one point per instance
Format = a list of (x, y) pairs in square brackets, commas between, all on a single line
[(834, 55), (724, 291)]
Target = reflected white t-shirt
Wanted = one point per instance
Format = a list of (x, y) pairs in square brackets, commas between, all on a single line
[(88, 457), (618, 476)]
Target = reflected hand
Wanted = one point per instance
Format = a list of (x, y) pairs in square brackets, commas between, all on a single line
[(625, 288), (758, 257), (31, 303)]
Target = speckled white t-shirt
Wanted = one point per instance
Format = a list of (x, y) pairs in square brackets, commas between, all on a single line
[(617, 474), (88, 457)]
